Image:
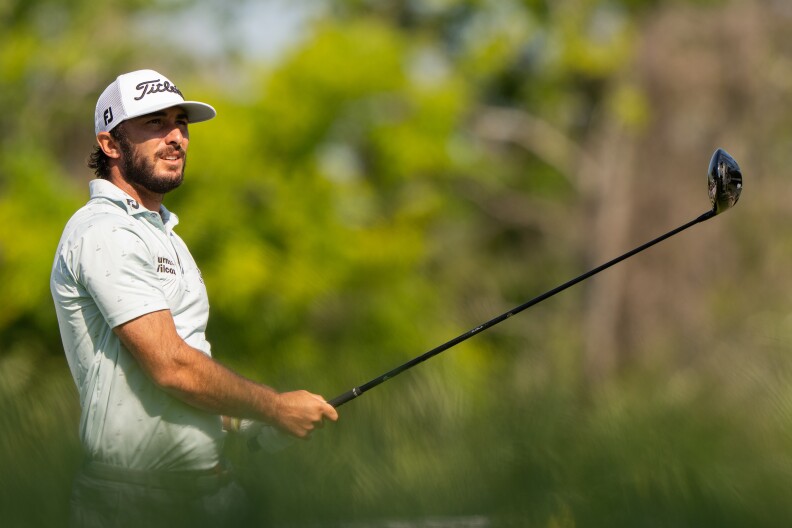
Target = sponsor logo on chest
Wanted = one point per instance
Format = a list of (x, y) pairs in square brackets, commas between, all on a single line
[(166, 265)]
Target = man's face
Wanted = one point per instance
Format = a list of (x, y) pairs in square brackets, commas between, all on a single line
[(154, 150)]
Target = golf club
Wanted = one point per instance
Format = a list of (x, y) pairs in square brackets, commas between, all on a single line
[(724, 180)]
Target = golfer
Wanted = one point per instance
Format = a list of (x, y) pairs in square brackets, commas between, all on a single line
[(132, 309)]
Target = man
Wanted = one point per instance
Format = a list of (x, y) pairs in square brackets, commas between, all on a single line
[(132, 310)]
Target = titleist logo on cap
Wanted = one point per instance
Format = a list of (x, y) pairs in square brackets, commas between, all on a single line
[(143, 92), (156, 86)]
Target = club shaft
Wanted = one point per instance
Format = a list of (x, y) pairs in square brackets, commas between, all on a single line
[(357, 391)]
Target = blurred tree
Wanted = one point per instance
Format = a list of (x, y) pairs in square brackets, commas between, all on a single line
[(324, 246), (561, 118), (55, 57)]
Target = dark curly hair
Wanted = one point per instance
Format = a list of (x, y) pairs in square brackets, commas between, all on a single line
[(98, 161)]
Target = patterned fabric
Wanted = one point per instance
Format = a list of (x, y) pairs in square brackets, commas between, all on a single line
[(115, 262)]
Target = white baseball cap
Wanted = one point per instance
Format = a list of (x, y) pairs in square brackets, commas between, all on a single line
[(142, 92)]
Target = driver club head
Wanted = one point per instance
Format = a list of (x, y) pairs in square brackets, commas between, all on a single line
[(724, 180)]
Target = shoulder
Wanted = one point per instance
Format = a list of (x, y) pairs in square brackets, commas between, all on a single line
[(101, 226), (98, 219), (97, 212)]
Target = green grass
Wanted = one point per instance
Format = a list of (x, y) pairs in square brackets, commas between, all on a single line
[(39, 448), (652, 449)]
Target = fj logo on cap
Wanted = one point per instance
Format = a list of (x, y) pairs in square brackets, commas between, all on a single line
[(108, 115), (155, 86)]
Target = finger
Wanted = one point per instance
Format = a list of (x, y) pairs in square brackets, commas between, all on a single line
[(305, 432), (330, 413)]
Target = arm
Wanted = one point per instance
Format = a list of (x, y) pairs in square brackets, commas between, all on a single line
[(195, 378)]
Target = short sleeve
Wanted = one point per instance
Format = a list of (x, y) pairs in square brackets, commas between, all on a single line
[(116, 267)]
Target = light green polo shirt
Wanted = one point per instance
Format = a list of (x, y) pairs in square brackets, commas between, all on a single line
[(117, 261)]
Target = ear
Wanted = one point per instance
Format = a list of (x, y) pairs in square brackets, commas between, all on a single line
[(109, 145)]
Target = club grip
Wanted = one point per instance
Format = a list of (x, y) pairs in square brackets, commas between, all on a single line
[(340, 400)]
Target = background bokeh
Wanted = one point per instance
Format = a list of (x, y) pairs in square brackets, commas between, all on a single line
[(385, 175)]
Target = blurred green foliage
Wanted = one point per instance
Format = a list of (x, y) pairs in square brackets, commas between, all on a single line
[(404, 172)]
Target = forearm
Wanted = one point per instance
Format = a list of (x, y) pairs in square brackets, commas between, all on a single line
[(204, 383), (190, 375), (195, 378), (200, 381)]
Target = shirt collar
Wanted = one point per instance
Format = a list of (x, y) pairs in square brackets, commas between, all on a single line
[(101, 188)]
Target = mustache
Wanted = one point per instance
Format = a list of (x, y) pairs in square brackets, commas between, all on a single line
[(171, 150)]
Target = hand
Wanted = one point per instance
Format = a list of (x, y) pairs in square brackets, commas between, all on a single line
[(299, 413)]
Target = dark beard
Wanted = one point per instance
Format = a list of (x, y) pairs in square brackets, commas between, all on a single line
[(138, 171)]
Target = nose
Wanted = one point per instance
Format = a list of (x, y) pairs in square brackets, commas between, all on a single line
[(175, 137)]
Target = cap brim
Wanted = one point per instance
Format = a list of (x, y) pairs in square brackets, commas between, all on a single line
[(196, 112)]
